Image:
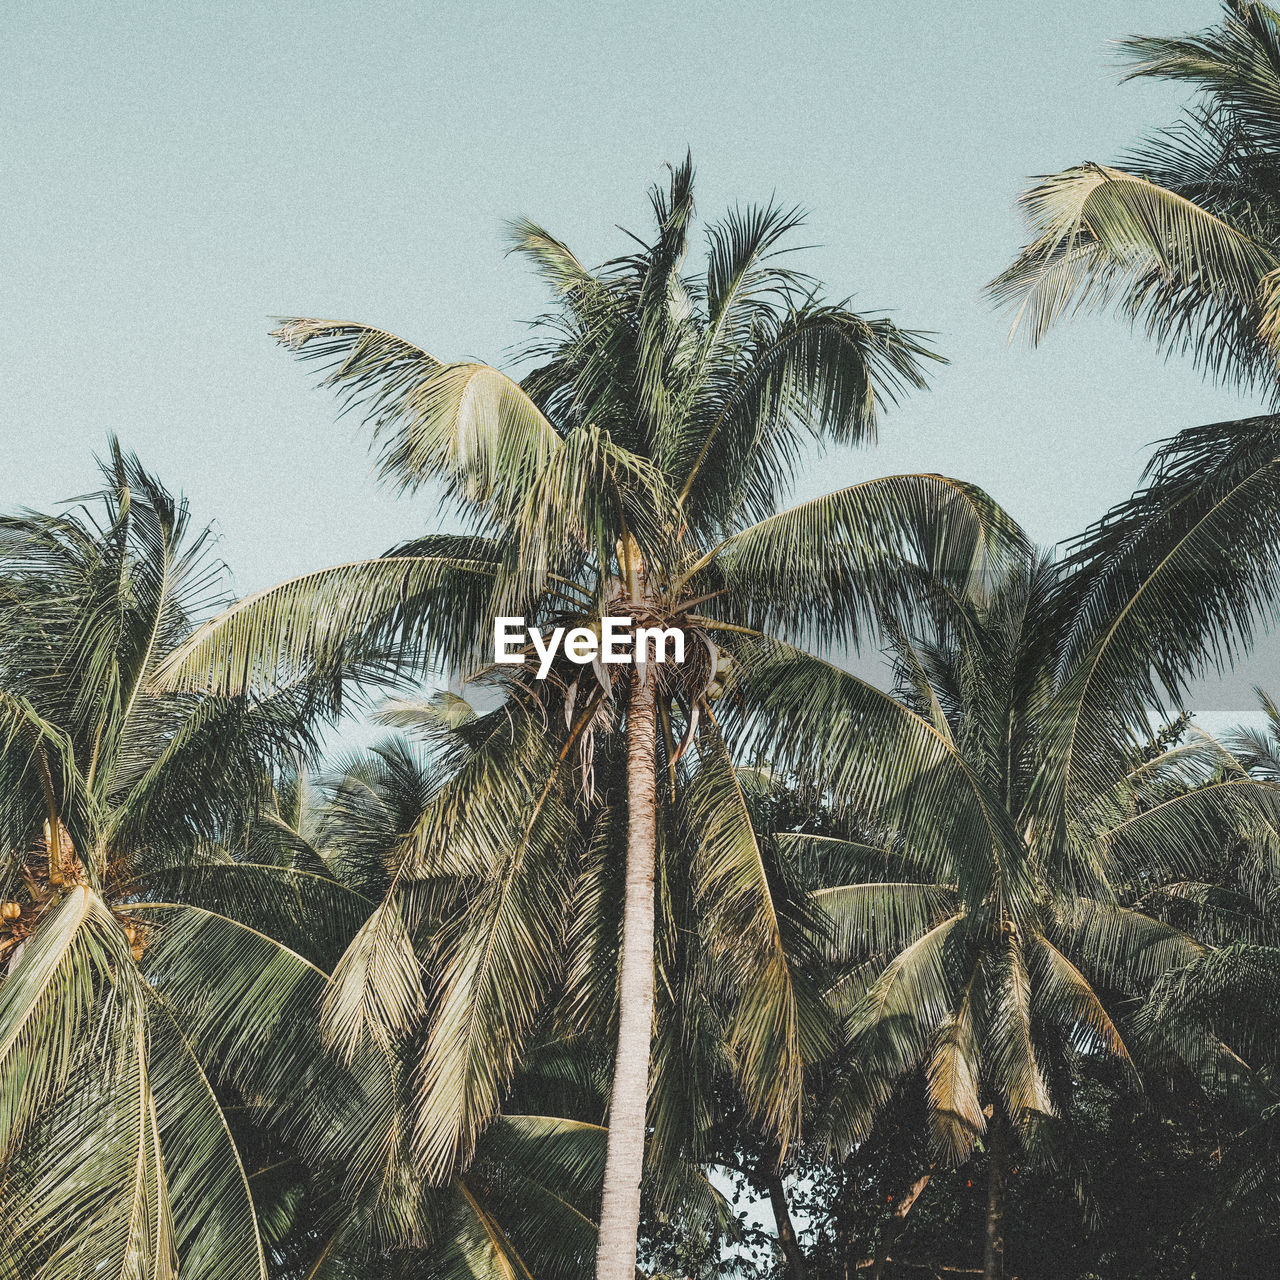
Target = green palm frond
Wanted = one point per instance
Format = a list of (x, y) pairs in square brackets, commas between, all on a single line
[(48, 1003), (244, 1002), (437, 604), (1178, 836), (1183, 237), (870, 752), (813, 372), (311, 914), (496, 962), (774, 1023), (834, 860), (466, 424), (1124, 948), (215, 1223), (1158, 592), (543, 1174), (481, 1244), (1236, 62), (93, 1194), (817, 571), (1064, 994), (875, 919), (1228, 992), (892, 1028), (1102, 237), (557, 265), (376, 987), (443, 710)]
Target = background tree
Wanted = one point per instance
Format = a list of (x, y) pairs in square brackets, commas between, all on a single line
[(115, 1145), (176, 894), (346, 1195), (1021, 814)]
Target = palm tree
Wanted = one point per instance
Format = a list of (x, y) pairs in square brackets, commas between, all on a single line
[(115, 1143), (171, 916), (636, 471), (345, 1199), (1022, 814), (1214, 1020), (1184, 236)]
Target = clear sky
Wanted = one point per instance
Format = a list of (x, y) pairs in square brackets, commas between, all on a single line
[(174, 174)]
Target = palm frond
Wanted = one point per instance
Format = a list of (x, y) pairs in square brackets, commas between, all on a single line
[(774, 1021), (435, 605), (817, 572), (954, 1081), (465, 424), (376, 988), (1101, 236), (48, 1003), (496, 960), (881, 917)]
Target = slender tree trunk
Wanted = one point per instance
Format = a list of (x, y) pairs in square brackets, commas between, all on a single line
[(891, 1228), (845, 1242), (997, 1175), (792, 1254), (624, 1157)]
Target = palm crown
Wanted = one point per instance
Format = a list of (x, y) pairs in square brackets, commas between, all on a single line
[(176, 901), (1020, 811)]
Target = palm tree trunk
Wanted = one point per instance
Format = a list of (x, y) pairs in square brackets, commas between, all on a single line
[(889, 1236), (624, 1156), (792, 1255), (846, 1242), (997, 1173)]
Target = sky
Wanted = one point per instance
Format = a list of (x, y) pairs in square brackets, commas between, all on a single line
[(173, 175)]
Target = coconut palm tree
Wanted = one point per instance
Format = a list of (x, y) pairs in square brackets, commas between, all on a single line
[(1024, 818), (636, 471), (736, 1011), (1213, 1021), (345, 1198), (114, 1141), (1183, 237), (171, 916)]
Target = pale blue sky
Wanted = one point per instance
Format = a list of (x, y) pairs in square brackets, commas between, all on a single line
[(172, 175)]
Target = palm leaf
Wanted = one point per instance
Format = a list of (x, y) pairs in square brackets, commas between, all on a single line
[(465, 424), (1100, 235), (376, 987), (954, 1078), (434, 603), (48, 1001)]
